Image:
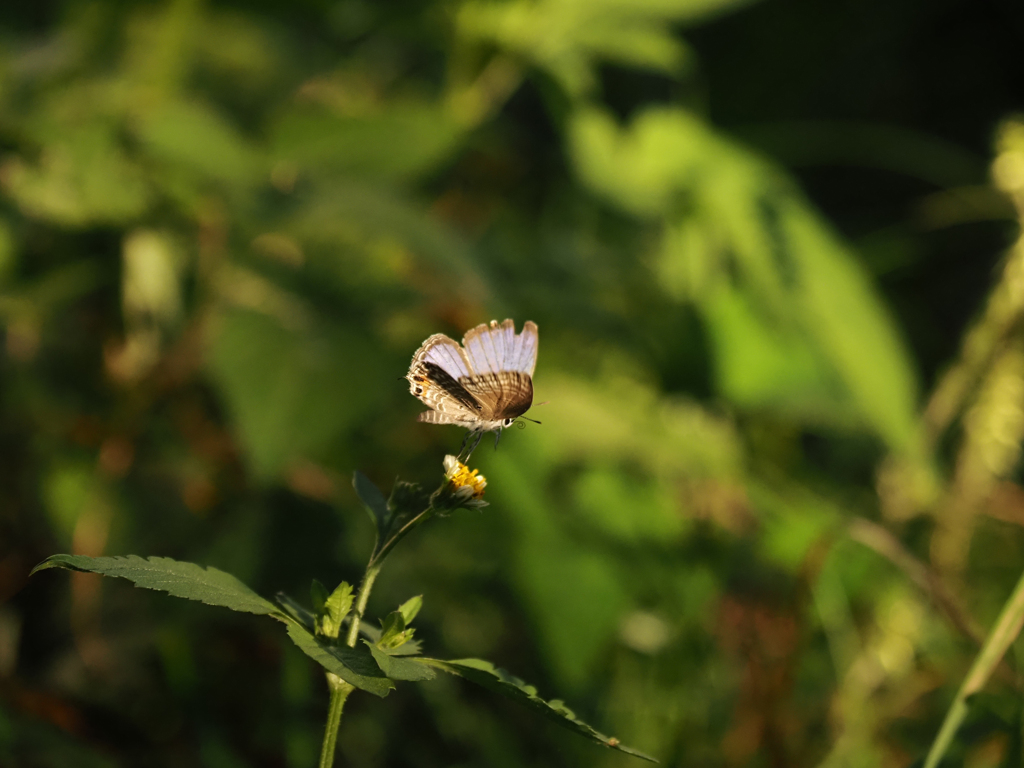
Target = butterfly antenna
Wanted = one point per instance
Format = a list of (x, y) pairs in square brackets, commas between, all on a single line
[(529, 419)]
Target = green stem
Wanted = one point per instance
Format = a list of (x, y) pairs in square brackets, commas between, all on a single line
[(364, 595), (339, 693), (339, 688), (386, 547)]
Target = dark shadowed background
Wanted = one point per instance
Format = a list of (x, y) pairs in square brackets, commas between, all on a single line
[(774, 505)]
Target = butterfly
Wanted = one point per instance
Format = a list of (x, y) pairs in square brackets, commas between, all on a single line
[(484, 384)]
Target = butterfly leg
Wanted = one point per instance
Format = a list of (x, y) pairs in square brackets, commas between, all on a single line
[(476, 442), (497, 437)]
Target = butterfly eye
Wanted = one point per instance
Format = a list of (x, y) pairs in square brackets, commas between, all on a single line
[(507, 422)]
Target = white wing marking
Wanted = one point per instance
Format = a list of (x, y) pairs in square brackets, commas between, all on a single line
[(525, 358), (496, 348), (508, 341), (448, 355)]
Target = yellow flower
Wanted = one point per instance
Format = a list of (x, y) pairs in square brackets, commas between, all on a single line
[(465, 486)]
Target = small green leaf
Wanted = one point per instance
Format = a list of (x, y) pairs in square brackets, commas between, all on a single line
[(410, 608), (392, 623), (486, 674), (336, 609), (400, 666), (375, 503), (318, 594), (188, 580), (394, 633), (355, 666)]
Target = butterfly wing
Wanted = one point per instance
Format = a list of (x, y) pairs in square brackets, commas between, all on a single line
[(501, 368), (434, 376), (504, 395)]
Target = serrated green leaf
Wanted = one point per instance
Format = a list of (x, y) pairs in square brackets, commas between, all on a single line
[(410, 608), (375, 503), (181, 579), (486, 674), (336, 608), (340, 602), (400, 666), (355, 666)]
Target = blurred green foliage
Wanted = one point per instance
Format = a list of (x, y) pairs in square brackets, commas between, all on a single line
[(775, 504)]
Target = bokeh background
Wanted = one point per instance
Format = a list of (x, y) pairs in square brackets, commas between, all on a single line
[(774, 505)]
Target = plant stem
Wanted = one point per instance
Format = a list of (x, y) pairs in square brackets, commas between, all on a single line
[(339, 688), (387, 546), (339, 693), (364, 594)]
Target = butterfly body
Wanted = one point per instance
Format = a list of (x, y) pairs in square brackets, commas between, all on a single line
[(484, 384)]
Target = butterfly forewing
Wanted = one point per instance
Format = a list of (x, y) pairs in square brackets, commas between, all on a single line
[(446, 353)]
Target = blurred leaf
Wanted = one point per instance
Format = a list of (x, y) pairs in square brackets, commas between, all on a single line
[(391, 235), (619, 420), (355, 666), (152, 264), (573, 591), (569, 38), (605, 495), (847, 319), (486, 674), (194, 137), (793, 520), (644, 169), (758, 364), (83, 178), (818, 319), (67, 489), (402, 140), (290, 393), (180, 579)]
